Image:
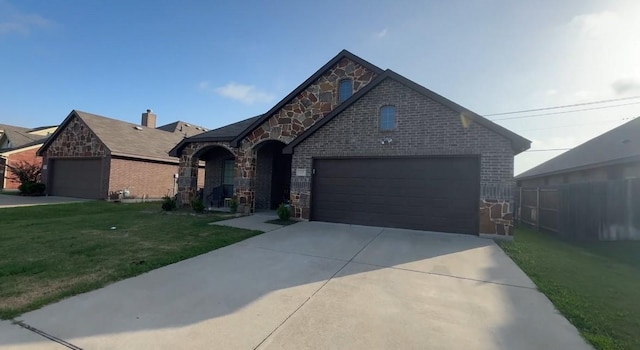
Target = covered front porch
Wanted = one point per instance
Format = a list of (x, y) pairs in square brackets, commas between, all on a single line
[(259, 178)]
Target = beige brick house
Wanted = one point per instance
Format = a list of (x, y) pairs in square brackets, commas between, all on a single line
[(92, 156), (357, 144)]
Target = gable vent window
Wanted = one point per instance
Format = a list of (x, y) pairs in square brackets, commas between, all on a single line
[(345, 90), (387, 118)]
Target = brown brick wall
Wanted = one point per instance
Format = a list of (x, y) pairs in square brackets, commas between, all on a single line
[(144, 178), (424, 127), (27, 155)]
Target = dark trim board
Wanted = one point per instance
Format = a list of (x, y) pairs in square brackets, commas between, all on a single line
[(430, 193)]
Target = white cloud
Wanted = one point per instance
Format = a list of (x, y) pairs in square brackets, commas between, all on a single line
[(247, 94), (204, 85), (381, 34), (14, 21), (622, 86)]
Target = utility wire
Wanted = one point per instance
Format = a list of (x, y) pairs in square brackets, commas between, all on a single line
[(563, 112), (576, 125), (564, 106)]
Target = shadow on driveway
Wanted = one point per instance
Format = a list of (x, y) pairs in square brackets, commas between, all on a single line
[(316, 285)]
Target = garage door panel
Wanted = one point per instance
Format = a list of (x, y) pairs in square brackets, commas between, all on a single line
[(76, 178), (437, 193)]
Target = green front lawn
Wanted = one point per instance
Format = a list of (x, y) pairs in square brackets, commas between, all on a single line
[(595, 285), (54, 251)]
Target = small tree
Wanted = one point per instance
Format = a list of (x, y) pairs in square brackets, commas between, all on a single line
[(24, 172), (28, 174)]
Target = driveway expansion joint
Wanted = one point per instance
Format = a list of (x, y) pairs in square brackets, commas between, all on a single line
[(319, 288), (445, 275), (45, 335)]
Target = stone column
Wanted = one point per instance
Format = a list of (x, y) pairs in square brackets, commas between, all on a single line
[(244, 180), (187, 177)]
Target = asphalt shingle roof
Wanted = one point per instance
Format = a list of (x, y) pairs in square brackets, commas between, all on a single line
[(183, 128), (615, 145), (126, 139), (19, 136)]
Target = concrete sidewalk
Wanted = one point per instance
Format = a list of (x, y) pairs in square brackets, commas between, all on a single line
[(256, 221), (316, 286), (11, 201)]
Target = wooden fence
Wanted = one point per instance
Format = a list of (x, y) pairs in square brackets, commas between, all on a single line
[(604, 210)]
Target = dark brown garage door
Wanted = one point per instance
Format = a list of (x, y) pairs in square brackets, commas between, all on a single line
[(434, 194), (76, 178)]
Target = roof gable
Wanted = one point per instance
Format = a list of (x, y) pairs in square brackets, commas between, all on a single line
[(518, 142), (122, 138), (334, 61), (616, 145)]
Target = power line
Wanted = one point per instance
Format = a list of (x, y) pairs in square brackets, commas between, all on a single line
[(548, 149), (564, 106), (575, 125), (563, 112)]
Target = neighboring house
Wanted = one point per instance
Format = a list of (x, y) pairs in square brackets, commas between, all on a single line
[(19, 144), (613, 155), (358, 144), (91, 156)]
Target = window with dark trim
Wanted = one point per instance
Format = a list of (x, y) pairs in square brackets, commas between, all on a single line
[(387, 118), (345, 90)]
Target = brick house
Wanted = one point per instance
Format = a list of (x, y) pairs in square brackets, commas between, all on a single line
[(614, 155), (92, 156), (358, 144), (18, 144)]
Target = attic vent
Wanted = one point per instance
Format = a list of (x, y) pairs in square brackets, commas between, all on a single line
[(626, 141), (198, 128), (137, 127), (187, 125), (203, 129)]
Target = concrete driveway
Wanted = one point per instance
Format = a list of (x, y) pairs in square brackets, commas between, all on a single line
[(314, 286), (9, 201)]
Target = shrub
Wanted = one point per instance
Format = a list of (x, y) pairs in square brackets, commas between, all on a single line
[(168, 203), (198, 205), (283, 212), (31, 188), (233, 206)]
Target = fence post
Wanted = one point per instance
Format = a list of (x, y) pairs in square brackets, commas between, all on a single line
[(519, 213), (538, 208)]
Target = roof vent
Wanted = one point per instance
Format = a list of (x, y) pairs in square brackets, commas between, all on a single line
[(137, 127), (187, 125), (626, 141)]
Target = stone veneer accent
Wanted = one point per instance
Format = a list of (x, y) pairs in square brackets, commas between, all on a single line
[(424, 127), (189, 166), (304, 110), (77, 140), (496, 217)]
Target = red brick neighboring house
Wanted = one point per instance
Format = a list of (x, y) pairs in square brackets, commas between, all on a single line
[(92, 156), (19, 144), (361, 145)]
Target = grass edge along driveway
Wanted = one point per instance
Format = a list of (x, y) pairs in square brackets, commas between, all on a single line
[(51, 252), (595, 285)]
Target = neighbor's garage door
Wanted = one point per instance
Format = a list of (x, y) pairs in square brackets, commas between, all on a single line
[(76, 178), (434, 194)]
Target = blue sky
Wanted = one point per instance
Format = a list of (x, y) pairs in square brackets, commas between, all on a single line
[(215, 62)]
